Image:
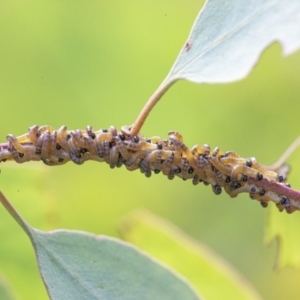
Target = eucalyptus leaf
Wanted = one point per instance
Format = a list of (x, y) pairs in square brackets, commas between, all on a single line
[(228, 37), (78, 265)]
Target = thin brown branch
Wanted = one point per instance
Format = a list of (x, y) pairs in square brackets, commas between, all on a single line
[(139, 122)]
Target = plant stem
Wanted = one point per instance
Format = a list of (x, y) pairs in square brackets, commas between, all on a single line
[(137, 125), (7, 205)]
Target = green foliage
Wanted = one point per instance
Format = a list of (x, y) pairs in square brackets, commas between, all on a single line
[(80, 63), (204, 269)]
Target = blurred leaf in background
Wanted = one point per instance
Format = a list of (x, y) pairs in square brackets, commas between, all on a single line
[(203, 268), (5, 290), (280, 228), (97, 62)]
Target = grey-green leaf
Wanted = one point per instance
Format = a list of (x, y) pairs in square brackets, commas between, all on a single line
[(78, 265), (229, 36)]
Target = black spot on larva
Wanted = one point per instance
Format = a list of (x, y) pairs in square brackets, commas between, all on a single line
[(227, 179), (249, 163), (122, 136), (244, 178), (83, 150), (177, 170), (58, 147), (280, 178), (92, 135), (110, 144), (262, 192), (104, 130), (148, 140), (288, 185), (68, 136), (38, 152), (156, 171), (190, 170), (21, 154), (159, 146), (60, 159), (136, 139), (259, 176)]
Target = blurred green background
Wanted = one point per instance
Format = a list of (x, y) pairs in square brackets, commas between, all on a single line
[(77, 63)]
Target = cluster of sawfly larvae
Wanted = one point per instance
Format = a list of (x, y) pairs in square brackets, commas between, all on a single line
[(170, 157)]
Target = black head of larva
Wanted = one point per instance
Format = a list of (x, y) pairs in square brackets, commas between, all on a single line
[(249, 163), (136, 139), (252, 192), (280, 178), (190, 170), (263, 203), (177, 170), (83, 150), (217, 189), (244, 178), (262, 192), (122, 137), (283, 200), (259, 176)]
